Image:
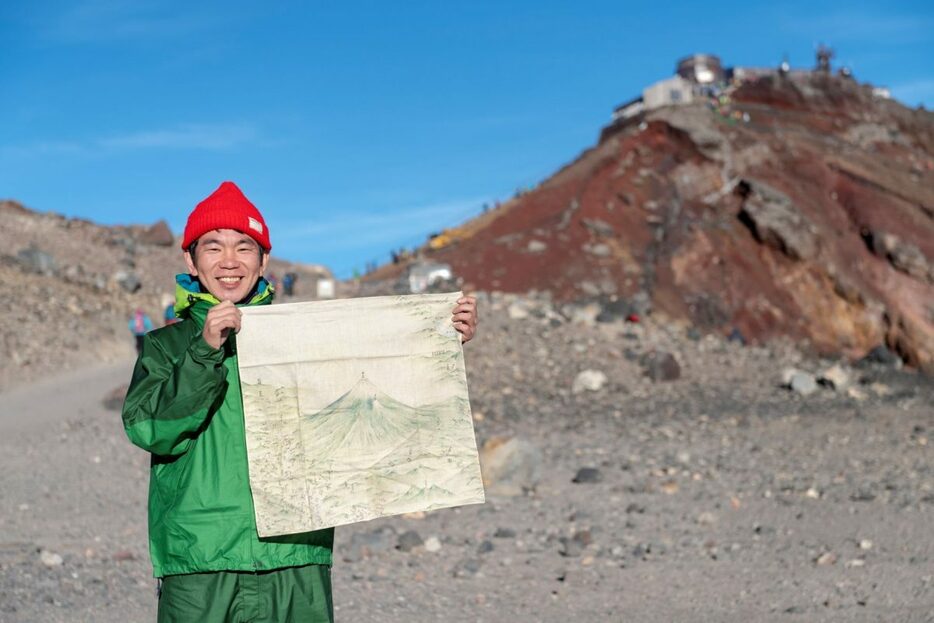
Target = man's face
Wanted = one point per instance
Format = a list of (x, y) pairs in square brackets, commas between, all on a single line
[(227, 263)]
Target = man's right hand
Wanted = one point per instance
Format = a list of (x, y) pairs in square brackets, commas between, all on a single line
[(221, 320)]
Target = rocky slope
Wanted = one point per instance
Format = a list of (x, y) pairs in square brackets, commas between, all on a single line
[(71, 285), (797, 205)]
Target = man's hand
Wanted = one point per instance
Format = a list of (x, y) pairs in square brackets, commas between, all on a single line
[(221, 320), (465, 317)]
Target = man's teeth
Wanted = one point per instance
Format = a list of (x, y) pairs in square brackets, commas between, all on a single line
[(229, 279)]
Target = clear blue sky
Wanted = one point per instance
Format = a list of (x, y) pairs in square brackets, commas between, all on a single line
[(361, 127)]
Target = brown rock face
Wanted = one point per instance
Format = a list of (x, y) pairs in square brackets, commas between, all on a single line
[(814, 219)]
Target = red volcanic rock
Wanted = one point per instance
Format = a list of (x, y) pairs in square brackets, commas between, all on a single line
[(814, 219)]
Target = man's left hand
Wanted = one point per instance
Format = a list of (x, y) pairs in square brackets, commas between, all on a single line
[(465, 317)]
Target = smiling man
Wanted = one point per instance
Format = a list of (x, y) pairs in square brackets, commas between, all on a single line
[(185, 407)]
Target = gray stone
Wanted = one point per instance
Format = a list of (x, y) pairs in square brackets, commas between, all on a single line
[(661, 366), (127, 280), (774, 220), (408, 541), (802, 383), (366, 544), (510, 466), (36, 261), (467, 568), (587, 475), (880, 355)]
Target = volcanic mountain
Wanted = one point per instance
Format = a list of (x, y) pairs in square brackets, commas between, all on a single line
[(797, 205), (366, 419)]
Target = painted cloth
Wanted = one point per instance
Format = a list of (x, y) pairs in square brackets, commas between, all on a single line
[(292, 594), (185, 407)]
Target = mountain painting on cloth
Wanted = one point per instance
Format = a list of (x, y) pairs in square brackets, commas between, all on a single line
[(355, 409)]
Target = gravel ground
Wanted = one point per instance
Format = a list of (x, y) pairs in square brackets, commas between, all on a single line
[(716, 496)]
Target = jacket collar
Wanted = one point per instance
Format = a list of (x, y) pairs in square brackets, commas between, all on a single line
[(192, 301)]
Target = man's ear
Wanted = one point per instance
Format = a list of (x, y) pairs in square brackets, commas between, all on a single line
[(191, 263), (263, 262)]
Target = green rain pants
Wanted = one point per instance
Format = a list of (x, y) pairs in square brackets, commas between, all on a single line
[(293, 594)]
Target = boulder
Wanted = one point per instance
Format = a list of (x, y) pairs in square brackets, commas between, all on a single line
[(33, 260), (158, 234)]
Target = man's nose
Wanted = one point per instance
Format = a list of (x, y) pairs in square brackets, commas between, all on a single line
[(229, 258)]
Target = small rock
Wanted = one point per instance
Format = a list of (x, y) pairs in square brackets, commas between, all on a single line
[(826, 559), (569, 548), (856, 393), (366, 544), (835, 377), (485, 547), (432, 544), (517, 312), (468, 567), (598, 250), (865, 544), (812, 493), (408, 541), (583, 314), (587, 475), (803, 384), (504, 533), (706, 518), (124, 555), (661, 366), (50, 559), (589, 380), (127, 280), (880, 355), (536, 246), (113, 401)]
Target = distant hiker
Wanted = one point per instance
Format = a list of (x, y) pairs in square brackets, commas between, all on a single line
[(140, 324), (184, 406), (288, 283)]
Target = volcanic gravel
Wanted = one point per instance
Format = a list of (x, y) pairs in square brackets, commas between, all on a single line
[(716, 496)]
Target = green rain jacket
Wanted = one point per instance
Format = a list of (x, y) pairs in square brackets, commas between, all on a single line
[(184, 406)]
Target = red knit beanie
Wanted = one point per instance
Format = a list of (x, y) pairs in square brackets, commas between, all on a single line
[(226, 208)]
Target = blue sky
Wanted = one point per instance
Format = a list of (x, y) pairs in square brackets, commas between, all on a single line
[(361, 127)]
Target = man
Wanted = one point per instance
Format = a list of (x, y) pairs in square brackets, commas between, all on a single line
[(185, 407)]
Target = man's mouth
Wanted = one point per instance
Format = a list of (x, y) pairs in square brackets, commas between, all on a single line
[(230, 280)]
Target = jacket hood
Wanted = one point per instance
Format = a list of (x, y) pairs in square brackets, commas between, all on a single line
[(188, 293)]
